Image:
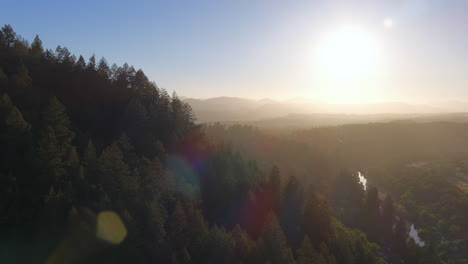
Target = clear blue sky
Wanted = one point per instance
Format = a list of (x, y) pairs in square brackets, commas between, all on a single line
[(257, 49)]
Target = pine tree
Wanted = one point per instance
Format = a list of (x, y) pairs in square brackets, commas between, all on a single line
[(81, 64), (130, 156), (113, 171), (36, 49), (372, 213), (178, 227), (103, 68), (14, 135), (73, 165), (277, 250), (3, 81), (91, 63), (141, 81), (275, 183), (50, 159), (90, 162), (388, 218), (220, 246), (316, 220), (56, 118), (307, 254), (7, 37), (400, 238), (11, 117), (243, 244), (291, 212)]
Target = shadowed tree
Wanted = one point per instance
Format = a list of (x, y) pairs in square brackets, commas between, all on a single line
[(307, 254), (7, 36), (388, 217), (56, 118), (372, 213), (14, 135), (276, 246), (316, 221), (91, 63), (36, 49), (275, 183), (103, 68), (113, 173), (291, 212), (81, 63), (400, 237)]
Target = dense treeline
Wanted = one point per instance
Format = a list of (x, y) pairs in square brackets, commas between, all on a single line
[(432, 198), (422, 164), (98, 164), (426, 196)]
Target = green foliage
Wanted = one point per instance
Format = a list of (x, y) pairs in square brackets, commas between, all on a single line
[(307, 254), (104, 139), (11, 117), (275, 244), (54, 117)]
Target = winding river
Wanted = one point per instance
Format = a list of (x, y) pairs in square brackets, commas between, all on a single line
[(413, 233)]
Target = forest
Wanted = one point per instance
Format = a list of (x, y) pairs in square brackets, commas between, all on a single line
[(100, 165)]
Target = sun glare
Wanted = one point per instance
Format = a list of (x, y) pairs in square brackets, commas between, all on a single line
[(348, 54)]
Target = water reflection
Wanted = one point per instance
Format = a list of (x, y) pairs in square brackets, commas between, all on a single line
[(413, 232), (414, 235), (362, 180)]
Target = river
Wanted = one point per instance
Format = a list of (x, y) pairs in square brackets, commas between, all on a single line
[(413, 233), (362, 180), (415, 236)]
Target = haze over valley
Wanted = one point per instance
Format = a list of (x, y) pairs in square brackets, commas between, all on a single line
[(129, 132), (300, 113)]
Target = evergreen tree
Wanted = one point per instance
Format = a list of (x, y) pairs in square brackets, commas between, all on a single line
[(400, 237), (113, 172), (348, 198), (141, 81), (291, 212), (81, 63), (14, 135), (220, 248), (307, 254), (90, 162), (130, 156), (372, 213), (73, 165), (244, 245), (178, 227), (50, 159), (388, 217), (56, 118), (317, 220), (275, 182), (3, 81), (7, 36), (103, 68), (36, 49), (91, 63), (11, 117), (277, 250)]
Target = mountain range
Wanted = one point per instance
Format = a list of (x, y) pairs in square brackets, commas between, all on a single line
[(300, 112)]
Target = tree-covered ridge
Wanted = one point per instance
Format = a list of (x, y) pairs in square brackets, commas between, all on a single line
[(425, 196), (88, 148)]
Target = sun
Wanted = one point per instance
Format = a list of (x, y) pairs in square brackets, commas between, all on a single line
[(348, 54)]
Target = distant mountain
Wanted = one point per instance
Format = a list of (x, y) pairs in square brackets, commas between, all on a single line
[(236, 109)]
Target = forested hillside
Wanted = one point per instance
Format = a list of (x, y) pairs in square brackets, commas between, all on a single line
[(415, 171), (100, 165)]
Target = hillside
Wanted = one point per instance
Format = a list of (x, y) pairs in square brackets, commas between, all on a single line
[(100, 165)]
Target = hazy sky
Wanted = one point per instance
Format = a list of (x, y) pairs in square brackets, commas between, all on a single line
[(257, 49)]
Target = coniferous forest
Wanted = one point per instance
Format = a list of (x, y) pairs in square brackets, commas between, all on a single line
[(100, 165)]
